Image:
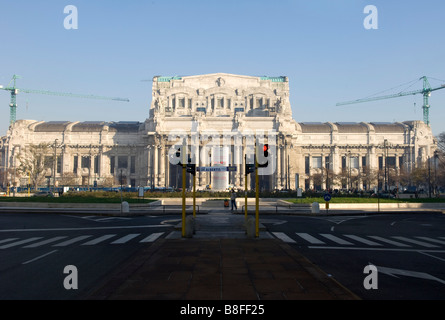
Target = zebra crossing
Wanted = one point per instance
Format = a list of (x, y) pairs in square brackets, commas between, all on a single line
[(81, 240), (350, 240)]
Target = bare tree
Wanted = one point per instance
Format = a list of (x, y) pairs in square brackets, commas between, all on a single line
[(369, 176), (35, 162), (69, 179)]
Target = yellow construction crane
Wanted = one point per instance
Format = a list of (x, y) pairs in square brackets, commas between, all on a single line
[(15, 91)]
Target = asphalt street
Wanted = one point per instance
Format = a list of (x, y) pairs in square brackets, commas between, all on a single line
[(408, 249)]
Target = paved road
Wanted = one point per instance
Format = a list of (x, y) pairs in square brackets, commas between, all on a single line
[(408, 250), (35, 249)]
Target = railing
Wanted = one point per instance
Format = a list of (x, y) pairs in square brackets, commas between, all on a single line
[(188, 207)]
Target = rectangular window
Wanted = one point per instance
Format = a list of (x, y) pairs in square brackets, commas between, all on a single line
[(380, 163), (354, 162), (112, 160), (96, 164), (363, 161), (391, 162), (59, 164), (316, 162), (133, 164), (75, 164), (259, 102), (343, 162), (326, 162), (306, 165), (48, 162), (85, 162), (181, 103), (122, 162), (220, 103), (201, 109)]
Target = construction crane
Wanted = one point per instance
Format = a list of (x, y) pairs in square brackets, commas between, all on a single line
[(15, 91), (426, 91)]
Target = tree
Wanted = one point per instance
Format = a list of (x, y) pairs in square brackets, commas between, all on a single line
[(369, 176), (35, 162), (69, 179), (441, 142)]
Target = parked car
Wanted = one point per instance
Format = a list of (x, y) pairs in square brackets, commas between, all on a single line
[(43, 194)]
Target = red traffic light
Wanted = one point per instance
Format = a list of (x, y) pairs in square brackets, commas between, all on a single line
[(266, 150)]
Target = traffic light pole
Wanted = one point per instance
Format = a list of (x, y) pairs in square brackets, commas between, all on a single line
[(257, 202), (245, 187), (184, 170), (194, 195)]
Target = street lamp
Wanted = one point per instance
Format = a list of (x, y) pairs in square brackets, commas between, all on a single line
[(55, 165), (436, 155), (327, 175), (350, 180), (385, 145)]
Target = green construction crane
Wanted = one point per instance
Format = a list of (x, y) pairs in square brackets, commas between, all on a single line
[(15, 91), (426, 91)]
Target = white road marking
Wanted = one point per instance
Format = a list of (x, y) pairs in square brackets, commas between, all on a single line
[(128, 237), (335, 239), (41, 243), (362, 240), (7, 240), (419, 243), (39, 257), (87, 228), (98, 240), (394, 243), (71, 241), (284, 237), (310, 238), (17, 243), (431, 240), (415, 274), (152, 237)]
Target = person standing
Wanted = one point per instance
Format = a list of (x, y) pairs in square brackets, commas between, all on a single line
[(233, 199)]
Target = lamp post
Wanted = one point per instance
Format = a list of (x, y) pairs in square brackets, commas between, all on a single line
[(385, 145), (55, 165), (327, 175), (436, 155), (350, 180)]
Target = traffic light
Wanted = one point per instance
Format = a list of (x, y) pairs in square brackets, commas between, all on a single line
[(178, 155), (265, 156), (266, 150), (191, 168), (250, 168)]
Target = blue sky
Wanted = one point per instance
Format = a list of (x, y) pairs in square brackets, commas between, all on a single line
[(321, 45)]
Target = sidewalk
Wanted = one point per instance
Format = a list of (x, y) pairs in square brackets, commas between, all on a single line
[(219, 263)]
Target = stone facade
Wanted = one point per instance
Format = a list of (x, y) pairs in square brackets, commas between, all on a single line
[(231, 109)]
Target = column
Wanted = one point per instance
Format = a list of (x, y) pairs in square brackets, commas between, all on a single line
[(155, 166), (279, 167), (162, 181)]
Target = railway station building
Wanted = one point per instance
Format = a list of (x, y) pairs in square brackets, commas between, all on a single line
[(218, 117)]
